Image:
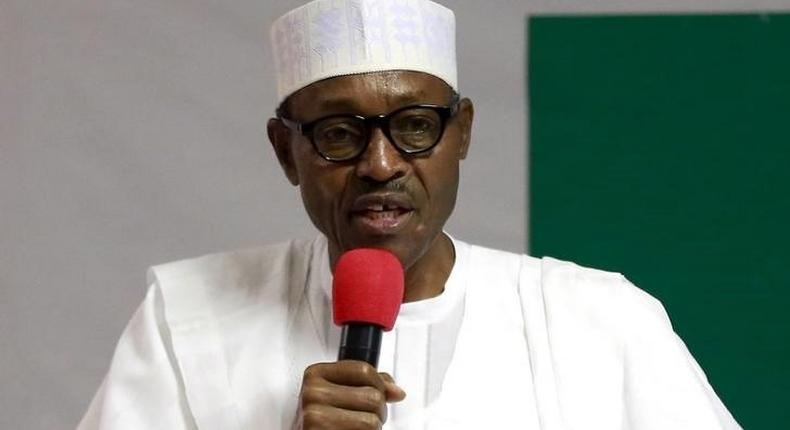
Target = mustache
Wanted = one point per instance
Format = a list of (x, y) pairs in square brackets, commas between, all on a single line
[(393, 186), (397, 186)]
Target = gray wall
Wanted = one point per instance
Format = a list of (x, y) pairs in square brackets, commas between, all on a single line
[(133, 132)]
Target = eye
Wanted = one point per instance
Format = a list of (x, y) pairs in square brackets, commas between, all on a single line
[(338, 132), (417, 124), (416, 129)]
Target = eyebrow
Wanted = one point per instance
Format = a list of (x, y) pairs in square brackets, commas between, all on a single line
[(351, 104)]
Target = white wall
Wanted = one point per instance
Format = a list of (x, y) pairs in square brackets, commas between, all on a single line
[(133, 132)]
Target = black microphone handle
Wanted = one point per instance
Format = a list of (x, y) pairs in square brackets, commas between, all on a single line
[(360, 341)]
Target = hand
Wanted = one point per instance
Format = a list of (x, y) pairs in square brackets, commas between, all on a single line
[(346, 395)]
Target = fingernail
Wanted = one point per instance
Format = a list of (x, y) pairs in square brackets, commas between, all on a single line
[(397, 388)]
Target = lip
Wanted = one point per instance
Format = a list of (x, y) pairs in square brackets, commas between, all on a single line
[(381, 213), (366, 201)]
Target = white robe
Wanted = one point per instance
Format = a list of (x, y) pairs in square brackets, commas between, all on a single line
[(222, 341)]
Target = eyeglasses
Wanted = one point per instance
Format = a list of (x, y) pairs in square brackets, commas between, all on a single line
[(412, 130)]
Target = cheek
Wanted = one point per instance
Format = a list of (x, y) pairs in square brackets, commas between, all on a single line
[(439, 175), (322, 187)]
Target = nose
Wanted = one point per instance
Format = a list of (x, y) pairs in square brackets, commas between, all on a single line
[(381, 161)]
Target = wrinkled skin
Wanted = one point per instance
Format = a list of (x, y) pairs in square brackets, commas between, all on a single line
[(427, 182), (345, 395)]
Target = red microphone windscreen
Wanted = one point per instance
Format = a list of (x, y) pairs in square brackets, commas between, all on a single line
[(367, 288)]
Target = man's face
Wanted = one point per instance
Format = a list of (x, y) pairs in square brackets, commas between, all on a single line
[(383, 198)]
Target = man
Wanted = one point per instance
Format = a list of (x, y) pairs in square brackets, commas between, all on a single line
[(371, 128)]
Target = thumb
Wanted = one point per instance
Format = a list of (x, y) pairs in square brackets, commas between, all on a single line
[(392, 391)]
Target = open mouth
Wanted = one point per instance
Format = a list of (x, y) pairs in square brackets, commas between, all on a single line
[(381, 214)]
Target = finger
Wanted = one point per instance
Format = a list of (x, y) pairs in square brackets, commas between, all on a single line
[(363, 399), (392, 391), (347, 372), (328, 417), (384, 413)]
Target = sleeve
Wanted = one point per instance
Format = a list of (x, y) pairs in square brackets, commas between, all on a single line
[(664, 385), (615, 358), (142, 389)]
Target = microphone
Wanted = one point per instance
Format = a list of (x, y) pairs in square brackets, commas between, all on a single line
[(367, 291)]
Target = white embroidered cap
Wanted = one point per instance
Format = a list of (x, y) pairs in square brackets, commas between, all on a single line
[(327, 38)]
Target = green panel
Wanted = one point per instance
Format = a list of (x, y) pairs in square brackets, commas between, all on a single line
[(660, 148)]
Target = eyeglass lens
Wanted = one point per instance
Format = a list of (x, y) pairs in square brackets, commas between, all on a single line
[(345, 136)]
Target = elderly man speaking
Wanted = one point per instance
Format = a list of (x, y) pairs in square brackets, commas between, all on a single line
[(371, 127)]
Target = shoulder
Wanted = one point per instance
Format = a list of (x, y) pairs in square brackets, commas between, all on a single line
[(482, 260), (247, 263), (582, 293), (224, 282), (599, 297)]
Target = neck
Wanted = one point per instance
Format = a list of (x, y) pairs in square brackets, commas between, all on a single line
[(425, 278)]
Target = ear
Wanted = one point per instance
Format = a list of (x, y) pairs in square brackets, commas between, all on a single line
[(280, 138), (465, 116)]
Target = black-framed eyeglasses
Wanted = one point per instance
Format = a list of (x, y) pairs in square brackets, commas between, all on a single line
[(412, 130)]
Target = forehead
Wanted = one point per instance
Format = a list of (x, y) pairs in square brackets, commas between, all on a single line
[(368, 93)]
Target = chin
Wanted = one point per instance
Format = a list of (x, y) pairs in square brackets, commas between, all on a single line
[(406, 248)]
